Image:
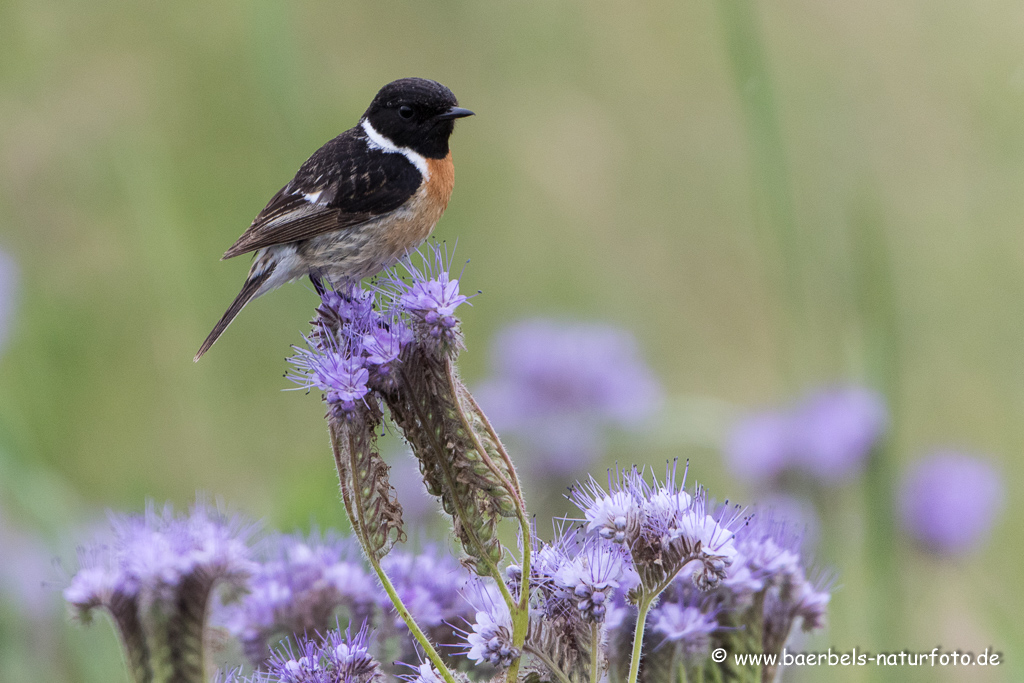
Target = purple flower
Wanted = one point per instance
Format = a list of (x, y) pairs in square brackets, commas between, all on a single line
[(578, 576), (828, 435), (949, 501), (154, 553), (663, 527), (425, 673), (768, 553), (352, 305), (431, 583), (382, 346), (591, 577), (332, 659), (837, 428), (555, 384), (685, 625), (491, 638), (8, 282), (298, 588), (340, 375), (760, 446), (429, 298)]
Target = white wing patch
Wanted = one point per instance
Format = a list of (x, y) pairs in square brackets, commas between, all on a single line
[(378, 141), (313, 197)]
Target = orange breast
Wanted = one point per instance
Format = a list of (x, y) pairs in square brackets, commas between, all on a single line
[(442, 180), (423, 209)]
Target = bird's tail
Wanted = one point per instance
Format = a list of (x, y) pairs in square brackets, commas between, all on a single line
[(249, 290)]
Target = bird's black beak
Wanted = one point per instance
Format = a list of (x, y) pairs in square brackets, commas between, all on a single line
[(454, 113)]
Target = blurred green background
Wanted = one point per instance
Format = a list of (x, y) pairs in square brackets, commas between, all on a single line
[(771, 196)]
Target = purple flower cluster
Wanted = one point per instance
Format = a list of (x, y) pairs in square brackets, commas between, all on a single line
[(490, 640), (579, 575), (303, 585), (662, 526), (556, 385), (949, 501), (298, 588), (331, 658), (686, 623), (432, 584), (153, 555), (373, 328), (828, 436), (770, 559)]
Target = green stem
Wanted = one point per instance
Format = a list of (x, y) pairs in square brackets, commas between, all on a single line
[(353, 508), (557, 672), (414, 628), (521, 614), (595, 647), (638, 637)]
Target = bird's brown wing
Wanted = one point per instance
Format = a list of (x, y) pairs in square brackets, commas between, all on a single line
[(343, 184)]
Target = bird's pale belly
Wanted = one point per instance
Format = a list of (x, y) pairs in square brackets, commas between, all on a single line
[(360, 250)]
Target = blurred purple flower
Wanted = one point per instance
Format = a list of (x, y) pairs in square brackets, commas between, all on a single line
[(836, 430), (298, 588), (760, 446), (8, 284), (949, 501), (555, 384), (163, 560), (828, 435), (431, 583), (685, 625)]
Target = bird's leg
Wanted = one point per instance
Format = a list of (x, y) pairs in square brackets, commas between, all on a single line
[(318, 283)]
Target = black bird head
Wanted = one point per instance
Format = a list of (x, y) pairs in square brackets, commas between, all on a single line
[(416, 113)]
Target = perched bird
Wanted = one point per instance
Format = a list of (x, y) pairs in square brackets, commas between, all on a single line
[(361, 202)]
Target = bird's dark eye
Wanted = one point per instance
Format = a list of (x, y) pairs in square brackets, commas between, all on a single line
[(405, 111)]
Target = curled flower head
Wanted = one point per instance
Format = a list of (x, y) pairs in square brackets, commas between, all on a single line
[(99, 582), (157, 551), (430, 298), (350, 304), (663, 526), (382, 348), (160, 565), (769, 552), (592, 576), (610, 514), (491, 637), (340, 375)]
